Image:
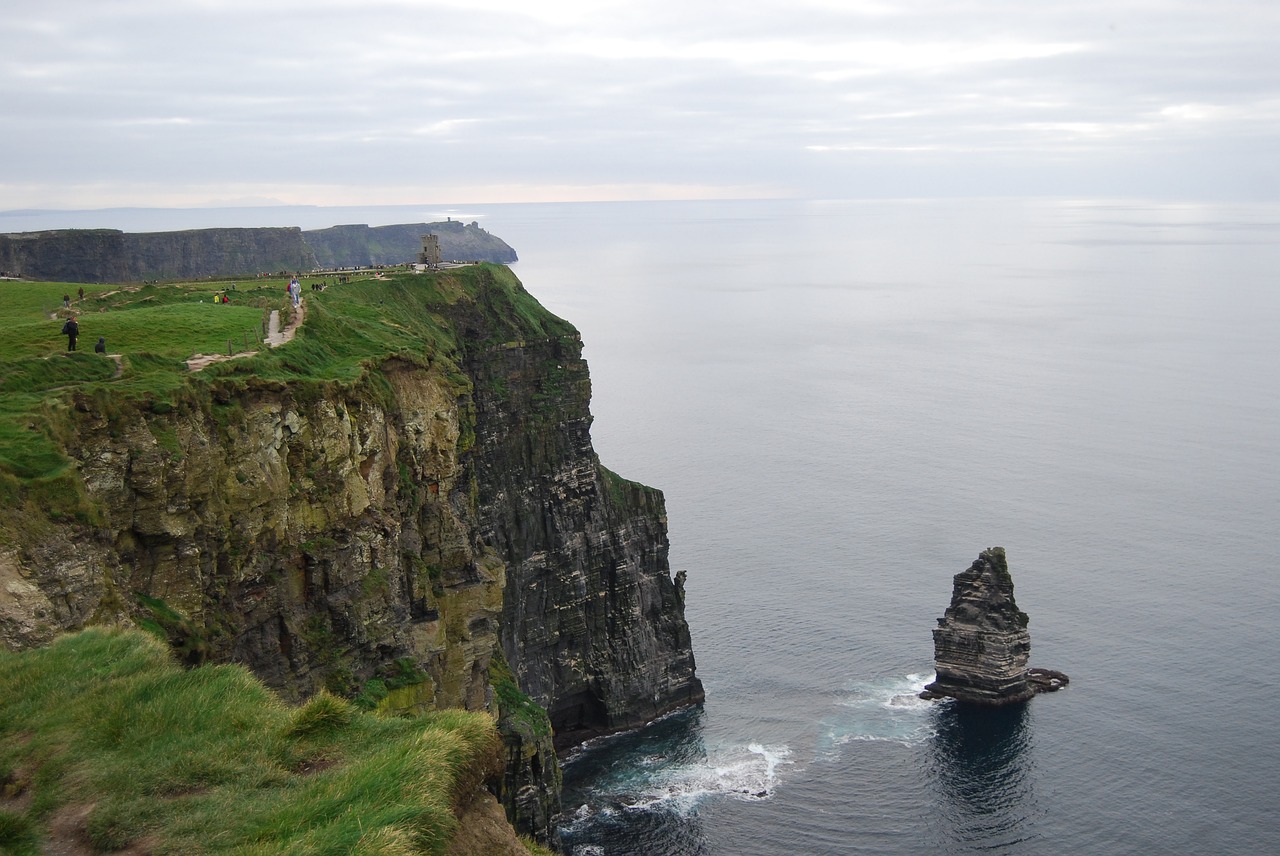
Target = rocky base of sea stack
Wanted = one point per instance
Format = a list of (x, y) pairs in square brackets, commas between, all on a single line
[(1046, 680), (981, 644), (1039, 681)]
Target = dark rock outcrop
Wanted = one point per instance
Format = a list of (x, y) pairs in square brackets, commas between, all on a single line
[(981, 644)]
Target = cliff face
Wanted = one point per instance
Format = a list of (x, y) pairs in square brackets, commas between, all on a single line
[(315, 540), (108, 255), (385, 538), (981, 644), (598, 635)]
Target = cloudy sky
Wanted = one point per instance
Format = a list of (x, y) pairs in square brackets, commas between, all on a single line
[(336, 102)]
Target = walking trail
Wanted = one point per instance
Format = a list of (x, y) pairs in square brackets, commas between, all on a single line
[(275, 338)]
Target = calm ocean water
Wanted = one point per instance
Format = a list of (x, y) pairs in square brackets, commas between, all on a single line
[(845, 402)]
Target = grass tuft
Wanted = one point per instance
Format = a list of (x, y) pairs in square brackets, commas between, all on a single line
[(207, 760), (323, 714), (18, 834)]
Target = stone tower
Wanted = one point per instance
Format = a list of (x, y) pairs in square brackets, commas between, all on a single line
[(430, 254)]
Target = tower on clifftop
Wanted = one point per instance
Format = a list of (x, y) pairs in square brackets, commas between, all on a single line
[(430, 255)]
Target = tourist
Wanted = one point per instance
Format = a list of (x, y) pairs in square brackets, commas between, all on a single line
[(101, 347), (71, 330)]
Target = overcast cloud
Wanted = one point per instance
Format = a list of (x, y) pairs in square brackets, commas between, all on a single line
[(183, 102)]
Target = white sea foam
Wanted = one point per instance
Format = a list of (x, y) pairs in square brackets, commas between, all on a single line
[(884, 709), (747, 772)]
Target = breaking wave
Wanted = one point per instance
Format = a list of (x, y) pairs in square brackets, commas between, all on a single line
[(886, 709), (656, 783)]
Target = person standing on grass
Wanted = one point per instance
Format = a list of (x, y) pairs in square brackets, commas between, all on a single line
[(71, 330)]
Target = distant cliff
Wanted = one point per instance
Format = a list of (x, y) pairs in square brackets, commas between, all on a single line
[(108, 255), (359, 246)]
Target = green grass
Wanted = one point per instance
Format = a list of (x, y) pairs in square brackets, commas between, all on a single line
[(103, 723), (516, 709)]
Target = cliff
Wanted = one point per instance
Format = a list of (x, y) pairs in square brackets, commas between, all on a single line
[(981, 644), (359, 246), (388, 507), (108, 255)]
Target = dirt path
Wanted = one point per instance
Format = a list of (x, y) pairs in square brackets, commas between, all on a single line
[(275, 338)]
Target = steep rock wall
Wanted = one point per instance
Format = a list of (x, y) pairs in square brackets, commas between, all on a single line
[(315, 539), (597, 634)]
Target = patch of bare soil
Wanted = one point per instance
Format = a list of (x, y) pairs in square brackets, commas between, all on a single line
[(69, 835)]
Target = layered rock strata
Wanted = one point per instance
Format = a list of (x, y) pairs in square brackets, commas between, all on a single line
[(597, 635), (981, 644)]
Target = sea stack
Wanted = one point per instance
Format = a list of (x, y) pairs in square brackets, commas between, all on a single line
[(981, 644)]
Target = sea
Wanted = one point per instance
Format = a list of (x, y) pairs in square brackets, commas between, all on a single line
[(845, 402)]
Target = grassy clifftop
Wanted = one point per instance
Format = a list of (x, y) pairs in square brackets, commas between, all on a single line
[(154, 329), (106, 742)]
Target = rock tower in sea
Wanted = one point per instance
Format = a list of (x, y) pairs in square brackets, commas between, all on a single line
[(981, 644)]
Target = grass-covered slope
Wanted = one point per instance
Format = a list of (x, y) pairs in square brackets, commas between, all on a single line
[(106, 742)]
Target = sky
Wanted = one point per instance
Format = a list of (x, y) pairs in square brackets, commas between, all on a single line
[(189, 103)]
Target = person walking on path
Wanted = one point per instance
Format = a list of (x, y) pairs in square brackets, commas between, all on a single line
[(82, 292), (71, 330), (66, 301)]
